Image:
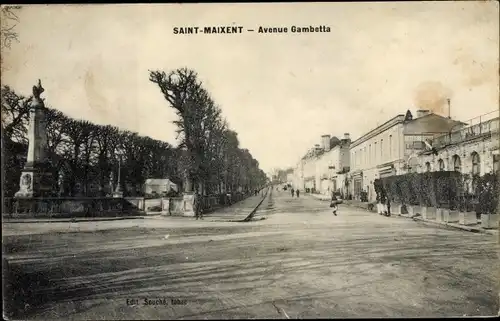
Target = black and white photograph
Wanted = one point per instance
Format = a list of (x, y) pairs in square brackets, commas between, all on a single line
[(250, 160)]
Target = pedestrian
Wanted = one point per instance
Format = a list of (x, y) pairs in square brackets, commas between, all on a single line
[(293, 192), (297, 192), (198, 206), (333, 204)]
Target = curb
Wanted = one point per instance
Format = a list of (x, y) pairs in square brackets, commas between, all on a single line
[(462, 228), (252, 213), (419, 219)]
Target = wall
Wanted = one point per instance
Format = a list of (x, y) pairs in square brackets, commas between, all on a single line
[(369, 154), (383, 147), (69, 207)]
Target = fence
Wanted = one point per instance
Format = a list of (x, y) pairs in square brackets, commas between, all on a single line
[(52, 207), (473, 130), (108, 207)]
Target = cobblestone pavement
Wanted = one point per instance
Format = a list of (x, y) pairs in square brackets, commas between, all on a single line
[(299, 262)]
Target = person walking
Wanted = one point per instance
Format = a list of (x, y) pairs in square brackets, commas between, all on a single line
[(333, 204), (293, 191), (297, 192)]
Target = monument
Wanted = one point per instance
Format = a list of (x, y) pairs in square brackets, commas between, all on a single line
[(188, 196), (118, 191), (36, 177)]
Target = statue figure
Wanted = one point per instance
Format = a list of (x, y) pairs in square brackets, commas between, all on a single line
[(37, 91)]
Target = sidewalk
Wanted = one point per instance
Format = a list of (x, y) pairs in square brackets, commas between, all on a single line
[(470, 228), (239, 212), (364, 205)]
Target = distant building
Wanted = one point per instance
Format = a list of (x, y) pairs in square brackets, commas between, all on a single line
[(159, 186), (393, 148), (324, 168)]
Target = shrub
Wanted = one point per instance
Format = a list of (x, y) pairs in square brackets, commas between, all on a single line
[(486, 189)]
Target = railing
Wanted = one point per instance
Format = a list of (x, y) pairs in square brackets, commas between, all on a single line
[(55, 207), (481, 129), (67, 207)]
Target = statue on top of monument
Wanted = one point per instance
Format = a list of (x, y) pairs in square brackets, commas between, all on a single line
[(37, 91)]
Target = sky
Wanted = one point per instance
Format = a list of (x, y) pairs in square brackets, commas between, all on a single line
[(279, 92)]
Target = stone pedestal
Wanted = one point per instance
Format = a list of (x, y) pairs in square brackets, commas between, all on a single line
[(489, 221), (396, 209), (450, 216), (188, 199), (467, 218), (428, 213), (36, 181), (440, 214)]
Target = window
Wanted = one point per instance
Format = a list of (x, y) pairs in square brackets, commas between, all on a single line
[(375, 156), (476, 164), (496, 163), (381, 150), (441, 165), (428, 166), (390, 146), (457, 164)]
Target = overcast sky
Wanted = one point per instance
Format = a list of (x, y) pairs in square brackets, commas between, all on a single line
[(280, 92)]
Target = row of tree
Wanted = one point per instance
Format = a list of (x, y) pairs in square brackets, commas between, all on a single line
[(212, 155), (88, 154)]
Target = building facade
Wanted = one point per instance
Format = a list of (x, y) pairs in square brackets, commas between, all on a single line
[(324, 168), (472, 150), (393, 149)]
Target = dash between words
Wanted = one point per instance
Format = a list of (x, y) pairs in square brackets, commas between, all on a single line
[(240, 29)]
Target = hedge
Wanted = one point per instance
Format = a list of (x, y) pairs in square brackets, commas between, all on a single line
[(437, 189)]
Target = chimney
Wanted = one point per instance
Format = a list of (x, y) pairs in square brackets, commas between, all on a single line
[(449, 108), (325, 141), (347, 136), (422, 112)]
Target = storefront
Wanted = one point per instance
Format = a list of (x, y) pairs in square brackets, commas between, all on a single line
[(357, 184)]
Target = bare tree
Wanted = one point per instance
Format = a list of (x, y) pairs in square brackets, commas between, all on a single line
[(9, 19)]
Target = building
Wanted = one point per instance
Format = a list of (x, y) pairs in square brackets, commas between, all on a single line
[(472, 150), (159, 186), (324, 167), (393, 148)]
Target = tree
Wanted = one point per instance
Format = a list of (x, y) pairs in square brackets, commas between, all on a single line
[(9, 20)]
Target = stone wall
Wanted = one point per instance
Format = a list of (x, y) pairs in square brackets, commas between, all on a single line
[(68, 207)]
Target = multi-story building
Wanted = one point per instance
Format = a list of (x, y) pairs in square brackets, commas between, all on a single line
[(393, 148), (323, 169), (472, 150)]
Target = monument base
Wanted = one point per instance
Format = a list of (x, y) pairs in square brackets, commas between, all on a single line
[(188, 199), (36, 181)]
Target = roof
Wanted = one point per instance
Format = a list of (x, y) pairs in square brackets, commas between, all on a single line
[(431, 123)]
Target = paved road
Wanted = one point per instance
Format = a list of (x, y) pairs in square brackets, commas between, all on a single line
[(300, 262)]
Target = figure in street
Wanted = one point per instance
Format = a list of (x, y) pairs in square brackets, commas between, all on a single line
[(297, 192), (198, 210), (333, 204), (293, 191)]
